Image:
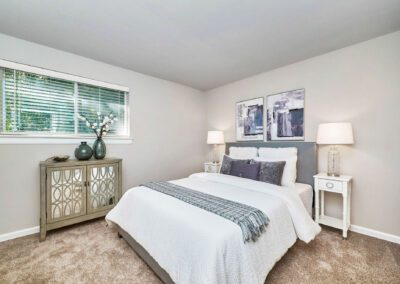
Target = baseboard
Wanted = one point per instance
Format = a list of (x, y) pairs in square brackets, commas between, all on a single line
[(19, 233), (375, 234)]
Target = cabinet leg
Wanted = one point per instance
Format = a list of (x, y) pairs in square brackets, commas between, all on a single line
[(42, 236), (348, 211), (317, 206), (322, 203), (345, 215)]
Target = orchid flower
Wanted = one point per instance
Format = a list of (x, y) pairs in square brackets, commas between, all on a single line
[(102, 125)]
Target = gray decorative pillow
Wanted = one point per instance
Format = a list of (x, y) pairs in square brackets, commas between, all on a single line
[(226, 164), (271, 172), (245, 170)]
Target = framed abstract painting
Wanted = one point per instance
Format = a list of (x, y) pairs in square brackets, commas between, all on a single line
[(285, 116), (250, 120)]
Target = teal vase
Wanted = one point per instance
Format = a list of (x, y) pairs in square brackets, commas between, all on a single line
[(83, 152), (99, 149)]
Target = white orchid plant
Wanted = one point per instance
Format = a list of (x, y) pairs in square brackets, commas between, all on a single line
[(102, 125)]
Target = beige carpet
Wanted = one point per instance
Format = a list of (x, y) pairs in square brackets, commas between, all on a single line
[(92, 253)]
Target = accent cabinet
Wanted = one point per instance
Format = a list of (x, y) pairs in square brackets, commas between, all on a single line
[(76, 191)]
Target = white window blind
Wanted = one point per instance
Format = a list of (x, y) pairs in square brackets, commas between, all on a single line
[(48, 106), (92, 100)]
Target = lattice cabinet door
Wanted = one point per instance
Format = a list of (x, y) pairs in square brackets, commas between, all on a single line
[(102, 187), (66, 194)]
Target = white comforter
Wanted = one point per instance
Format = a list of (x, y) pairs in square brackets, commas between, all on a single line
[(196, 246)]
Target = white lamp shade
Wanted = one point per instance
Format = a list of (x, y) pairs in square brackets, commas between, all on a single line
[(335, 133), (215, 137)]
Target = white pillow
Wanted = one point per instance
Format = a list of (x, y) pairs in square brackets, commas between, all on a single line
[(277, 153), (242, 152), (289, 155)]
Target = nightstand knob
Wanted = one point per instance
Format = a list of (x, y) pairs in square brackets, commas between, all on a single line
[(329, 185)]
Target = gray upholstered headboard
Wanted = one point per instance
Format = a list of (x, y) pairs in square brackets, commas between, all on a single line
[(306, 156)]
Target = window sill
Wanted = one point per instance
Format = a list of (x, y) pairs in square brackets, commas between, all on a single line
[(12, 140)]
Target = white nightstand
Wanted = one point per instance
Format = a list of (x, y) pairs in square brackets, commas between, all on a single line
[(341, 185), (211, 167)]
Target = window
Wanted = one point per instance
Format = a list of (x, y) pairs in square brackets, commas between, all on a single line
[(35, 104)]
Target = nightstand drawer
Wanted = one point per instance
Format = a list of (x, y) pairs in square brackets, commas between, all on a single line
[(330, 185), (208, 168)]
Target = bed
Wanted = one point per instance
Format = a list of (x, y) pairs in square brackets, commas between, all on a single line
[(185, 244), (306, 194)]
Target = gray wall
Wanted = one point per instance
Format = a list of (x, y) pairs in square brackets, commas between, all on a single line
[(167, 124), (360, 84)]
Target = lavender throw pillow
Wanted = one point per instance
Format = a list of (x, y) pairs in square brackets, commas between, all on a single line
[(227, 162), (244, 170), (271, 172)]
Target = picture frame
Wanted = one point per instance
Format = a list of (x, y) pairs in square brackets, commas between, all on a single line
[(285, 116), (250, 120)]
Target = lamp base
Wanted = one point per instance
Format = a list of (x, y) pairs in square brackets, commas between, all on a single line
[(215, 154), (334, 162)]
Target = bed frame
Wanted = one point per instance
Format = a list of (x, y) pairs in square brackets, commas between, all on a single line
[(306, 168), (157, 269)]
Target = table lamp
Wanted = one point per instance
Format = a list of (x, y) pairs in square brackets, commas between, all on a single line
[(215, 138), (337, 133)]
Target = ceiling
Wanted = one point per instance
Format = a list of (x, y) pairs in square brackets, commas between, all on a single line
[(200, 43)]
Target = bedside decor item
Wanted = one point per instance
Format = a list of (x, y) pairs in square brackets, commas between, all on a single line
[(101, 127), (77, 191), (341, 185), (250, 120), (215, 138), (339, 133), (60, 158), (83, 152), (285, 116)]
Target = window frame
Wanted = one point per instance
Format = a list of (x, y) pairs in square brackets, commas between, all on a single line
[(41, 138)]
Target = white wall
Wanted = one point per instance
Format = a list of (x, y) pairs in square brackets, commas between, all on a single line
[(167, 124), (359, 84)]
